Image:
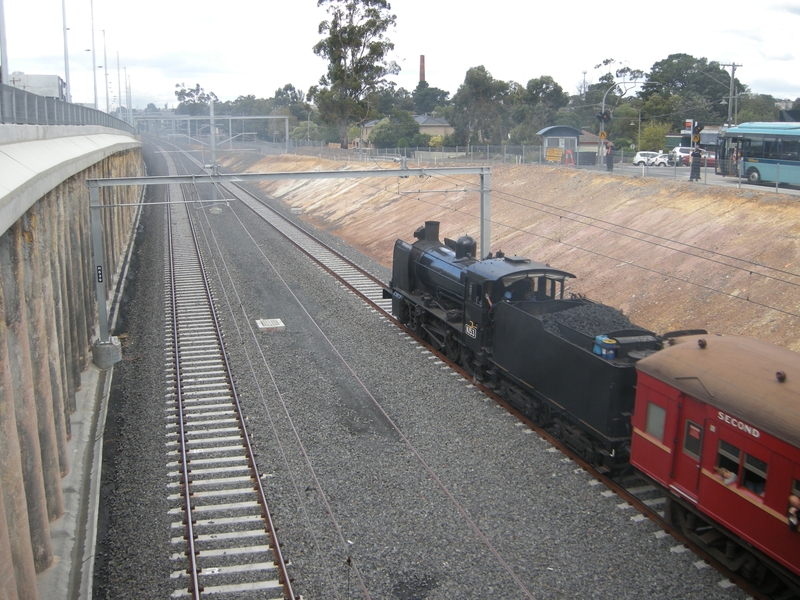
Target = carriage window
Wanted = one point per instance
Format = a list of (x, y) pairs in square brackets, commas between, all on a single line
[(796, 487), (728, 458), (655, 421), (693, 439), (755, 474)]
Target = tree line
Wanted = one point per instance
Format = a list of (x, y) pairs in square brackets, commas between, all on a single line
[(642, 106)]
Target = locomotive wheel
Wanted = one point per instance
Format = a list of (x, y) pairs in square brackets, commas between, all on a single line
[(542, 415), (403, 315), (452, 348)]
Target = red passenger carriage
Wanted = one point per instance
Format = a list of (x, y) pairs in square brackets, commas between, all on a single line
[(717, 424)]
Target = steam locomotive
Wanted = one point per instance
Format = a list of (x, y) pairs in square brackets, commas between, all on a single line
[(566, 363), (714, 421)]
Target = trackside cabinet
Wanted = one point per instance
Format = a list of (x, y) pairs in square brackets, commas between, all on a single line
[(717, 423)]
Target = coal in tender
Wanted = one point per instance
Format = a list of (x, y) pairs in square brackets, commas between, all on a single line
[(590, 319)]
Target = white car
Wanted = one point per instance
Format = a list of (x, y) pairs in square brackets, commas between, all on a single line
[(659, 160), (643, 158)]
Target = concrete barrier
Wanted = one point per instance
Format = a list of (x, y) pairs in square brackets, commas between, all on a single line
[(48, 319)]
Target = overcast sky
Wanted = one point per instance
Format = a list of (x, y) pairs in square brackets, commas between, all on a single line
[(242, 47)]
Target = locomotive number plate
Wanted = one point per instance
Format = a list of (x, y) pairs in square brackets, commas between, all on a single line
[(471, 330)]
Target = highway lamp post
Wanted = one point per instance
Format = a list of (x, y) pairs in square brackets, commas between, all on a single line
[(94, 61), (119, 89), (3, 54), (66, 51), (105, 67)]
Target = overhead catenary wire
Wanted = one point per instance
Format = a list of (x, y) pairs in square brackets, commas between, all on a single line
[(575, 216)]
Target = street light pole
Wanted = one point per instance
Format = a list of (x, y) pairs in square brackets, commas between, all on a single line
[(119, 89), (66, 50), (105, 68), (3, 53), (94, 61)]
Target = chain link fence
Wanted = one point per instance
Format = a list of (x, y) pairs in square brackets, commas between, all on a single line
[(23, 108), (504, 154)]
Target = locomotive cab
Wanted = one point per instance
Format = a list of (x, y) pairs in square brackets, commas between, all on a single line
[(506, 279)]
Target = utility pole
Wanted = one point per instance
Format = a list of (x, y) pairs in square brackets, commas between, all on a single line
[(730, 93)]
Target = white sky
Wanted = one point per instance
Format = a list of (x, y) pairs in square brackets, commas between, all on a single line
[(241, 47)]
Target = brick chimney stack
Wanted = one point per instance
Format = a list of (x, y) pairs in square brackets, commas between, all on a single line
[(422, 67)]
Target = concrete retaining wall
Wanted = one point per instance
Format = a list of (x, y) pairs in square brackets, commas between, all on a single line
[(48, 317)]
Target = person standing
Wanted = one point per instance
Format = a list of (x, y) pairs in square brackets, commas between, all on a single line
[(694, 173)]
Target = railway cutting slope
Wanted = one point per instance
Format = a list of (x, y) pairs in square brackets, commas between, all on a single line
[(669, 254)]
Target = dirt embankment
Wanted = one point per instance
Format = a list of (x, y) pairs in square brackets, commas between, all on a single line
[(671, 255)]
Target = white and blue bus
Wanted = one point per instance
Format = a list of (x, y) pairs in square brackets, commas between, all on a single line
[(760, 152)]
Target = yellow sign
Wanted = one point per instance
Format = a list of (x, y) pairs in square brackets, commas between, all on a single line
[(553, 155), (696, 139), (602, 135)]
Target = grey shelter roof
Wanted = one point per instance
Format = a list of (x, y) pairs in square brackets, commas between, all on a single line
[(559, 131)]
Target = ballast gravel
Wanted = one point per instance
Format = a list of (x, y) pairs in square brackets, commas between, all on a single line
[(388, 475)]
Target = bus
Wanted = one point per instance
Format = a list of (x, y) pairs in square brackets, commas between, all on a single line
[(760, 152)]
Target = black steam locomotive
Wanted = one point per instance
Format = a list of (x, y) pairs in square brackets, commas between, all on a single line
[(566, 363)]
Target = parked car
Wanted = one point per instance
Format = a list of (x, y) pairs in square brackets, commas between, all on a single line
[(659, 160), (643, 158), (676, 155), (707, 159)]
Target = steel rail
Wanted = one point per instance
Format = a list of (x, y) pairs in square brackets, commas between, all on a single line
[(339, 256), (194, 586), (271, 529)]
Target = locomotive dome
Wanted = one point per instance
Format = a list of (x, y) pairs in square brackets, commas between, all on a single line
[(757, 381)]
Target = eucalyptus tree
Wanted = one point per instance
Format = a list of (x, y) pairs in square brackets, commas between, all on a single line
[(480, 109), (357, 49)]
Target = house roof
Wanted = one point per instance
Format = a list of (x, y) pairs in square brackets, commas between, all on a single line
[(423, 120), (429, 120), (590, 138)]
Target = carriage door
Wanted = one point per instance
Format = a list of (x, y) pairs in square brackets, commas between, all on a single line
[(688, 447)]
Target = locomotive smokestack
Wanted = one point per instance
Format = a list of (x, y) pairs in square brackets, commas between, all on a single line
[(432, 231), (422, 67)]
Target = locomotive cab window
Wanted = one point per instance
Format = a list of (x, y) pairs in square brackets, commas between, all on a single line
[(656, 417), (755, 474), (475, 293), (728, 458), (795, 487), (693, 439)]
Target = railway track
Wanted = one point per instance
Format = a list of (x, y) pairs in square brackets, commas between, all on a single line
[(224, 538), (633, 491), (351, 275)]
